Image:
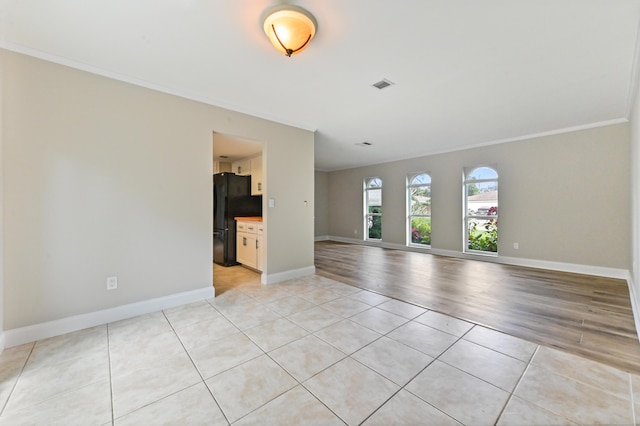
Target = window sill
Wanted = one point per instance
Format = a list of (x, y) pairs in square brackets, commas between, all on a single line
[(419, 246), (482, 253)]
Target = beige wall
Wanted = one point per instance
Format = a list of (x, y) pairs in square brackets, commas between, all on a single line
[(104, 178), (634, 262), (322, 204), (2, 343), (289, 182), (563, 198)]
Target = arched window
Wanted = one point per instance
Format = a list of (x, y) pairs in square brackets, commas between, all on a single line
[(481, 210), (373, 208), (419, 210)]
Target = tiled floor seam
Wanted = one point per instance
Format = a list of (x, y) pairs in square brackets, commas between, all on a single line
[(299, 383), (309, 333), (633, 401), (264, 353), (15, 383), (403, 387), (512, 393), (428, 365), (321, 402), (195, 367), (113, 417), (370, 343), (259, 407)]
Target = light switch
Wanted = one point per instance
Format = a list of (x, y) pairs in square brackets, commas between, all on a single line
[(272, 203)]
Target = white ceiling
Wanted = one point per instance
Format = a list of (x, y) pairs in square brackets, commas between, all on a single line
[(228, 148), (466, 72)]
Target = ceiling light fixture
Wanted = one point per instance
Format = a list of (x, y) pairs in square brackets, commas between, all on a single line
[(289, 28)]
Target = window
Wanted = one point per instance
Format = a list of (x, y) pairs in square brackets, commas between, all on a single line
[(419, 208), (373, 208), (481, 210)]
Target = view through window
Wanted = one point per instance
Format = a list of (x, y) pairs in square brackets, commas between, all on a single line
[(481, 210), (373, 208), (419, 208)]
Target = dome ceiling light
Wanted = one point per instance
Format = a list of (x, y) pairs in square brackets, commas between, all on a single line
[(289, 28)]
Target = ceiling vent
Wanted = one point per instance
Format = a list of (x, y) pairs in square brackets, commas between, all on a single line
[(384, 83)]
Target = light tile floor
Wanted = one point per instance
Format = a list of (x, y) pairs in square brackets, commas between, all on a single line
[(307, 351)]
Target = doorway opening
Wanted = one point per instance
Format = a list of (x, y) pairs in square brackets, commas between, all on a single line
[(237, 168)]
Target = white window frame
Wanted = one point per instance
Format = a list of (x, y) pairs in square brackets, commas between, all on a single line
[(467, 216), (369, 217), (409, 229)]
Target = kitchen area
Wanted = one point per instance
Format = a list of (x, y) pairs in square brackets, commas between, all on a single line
[(238, 227)]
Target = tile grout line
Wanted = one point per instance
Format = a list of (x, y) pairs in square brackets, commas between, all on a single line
[(400, 387), (113, 416), (633, 400), (312, 333), (431, 363), (195, 366), (13, 388), (512, 392), (309, 333)]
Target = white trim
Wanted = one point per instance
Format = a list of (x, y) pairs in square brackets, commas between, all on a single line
[(287, 275), (14, 47), (600, 271), (31, 333), (633, 83), (490, 143), (321, 238), (635, 304), (149, 85)]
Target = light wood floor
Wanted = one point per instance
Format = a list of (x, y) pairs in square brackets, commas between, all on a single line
[(585, 315)]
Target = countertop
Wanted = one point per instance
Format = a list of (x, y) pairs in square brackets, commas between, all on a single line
[(249, 218)]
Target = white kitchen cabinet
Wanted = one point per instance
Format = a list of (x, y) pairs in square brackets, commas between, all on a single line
[(241, 167), (249, 244), (246, 252), (260, 247), (257, 187)]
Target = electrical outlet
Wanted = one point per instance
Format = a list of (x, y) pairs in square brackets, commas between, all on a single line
[(112, 283), (516, 246)]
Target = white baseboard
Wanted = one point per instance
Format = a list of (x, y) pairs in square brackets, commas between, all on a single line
[(322, 238), (1, 341), (287, 275), (31, 333), (635, 304), (600, 271), (531, 263)]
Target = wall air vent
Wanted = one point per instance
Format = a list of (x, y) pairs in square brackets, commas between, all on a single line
[(384, 83)]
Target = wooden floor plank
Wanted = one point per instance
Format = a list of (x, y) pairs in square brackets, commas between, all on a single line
[(586, 315)]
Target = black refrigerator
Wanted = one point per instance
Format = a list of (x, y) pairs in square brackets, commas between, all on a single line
[(231, 198)]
